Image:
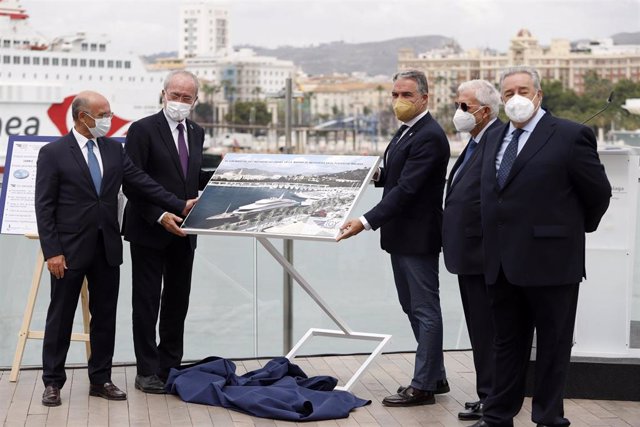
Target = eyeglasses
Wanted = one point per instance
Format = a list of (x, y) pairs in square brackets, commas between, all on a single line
[(464, 106), (101, 116), (187, 99)]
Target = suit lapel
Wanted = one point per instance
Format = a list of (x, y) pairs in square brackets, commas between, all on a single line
[(452, 176), (76, 153), (406, 139), (167, 139), (538, 138)]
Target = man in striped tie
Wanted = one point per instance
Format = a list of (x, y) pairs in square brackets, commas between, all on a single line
[(542, 188)]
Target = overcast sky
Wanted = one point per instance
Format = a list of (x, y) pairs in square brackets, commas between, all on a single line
[(150, 26)]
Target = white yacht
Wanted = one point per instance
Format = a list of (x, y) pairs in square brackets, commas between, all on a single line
[(266, 204)]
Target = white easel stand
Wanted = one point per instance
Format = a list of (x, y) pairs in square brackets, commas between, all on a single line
[(25, 331)]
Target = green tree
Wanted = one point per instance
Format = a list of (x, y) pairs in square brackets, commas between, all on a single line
[(241, 113)]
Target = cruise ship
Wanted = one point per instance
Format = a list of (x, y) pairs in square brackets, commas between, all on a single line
[(39, 78)]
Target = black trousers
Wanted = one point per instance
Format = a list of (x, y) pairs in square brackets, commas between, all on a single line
[(103, 281), (477, 313), (517, 310), (161, 287)]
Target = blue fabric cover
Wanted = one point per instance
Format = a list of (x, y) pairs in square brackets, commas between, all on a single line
[(280, 390)]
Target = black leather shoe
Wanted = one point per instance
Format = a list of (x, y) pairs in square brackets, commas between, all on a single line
[(469, 405), (470, 414), (410, 397), (442, 387), (150, 384), (51, 396), (107, 391)]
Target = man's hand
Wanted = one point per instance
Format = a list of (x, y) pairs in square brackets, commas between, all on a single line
[(188, 206), (56, 266), (350, 228), (171, 223)]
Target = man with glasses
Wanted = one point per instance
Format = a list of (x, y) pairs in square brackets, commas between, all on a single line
[(168, 146), (477, 108), (76, 199)]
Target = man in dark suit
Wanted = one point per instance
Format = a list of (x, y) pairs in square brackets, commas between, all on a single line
[(410, 220), (76, 200), (168, 147), (542, 188), (478, 105)]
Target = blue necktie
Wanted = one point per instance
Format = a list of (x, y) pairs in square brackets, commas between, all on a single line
[(471, 147), (508, 158), (94, 167)]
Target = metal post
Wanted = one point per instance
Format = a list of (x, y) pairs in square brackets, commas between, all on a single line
[(287, 285)]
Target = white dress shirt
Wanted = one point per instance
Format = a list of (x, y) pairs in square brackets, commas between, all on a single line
[(173, 125), (82, 142)]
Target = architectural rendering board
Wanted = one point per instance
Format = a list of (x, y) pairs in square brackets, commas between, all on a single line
[(281, 195)]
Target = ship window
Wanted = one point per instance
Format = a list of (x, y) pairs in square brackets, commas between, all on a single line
[(92, 63), (16, 59), (65, 62), (118, 64), (101, 63), (94, 47), (45, 61), (102, 47), (83, 62), (55, 61), (74, 62), (85, 47), (26, 60), (110, 64), (36, 60), (127, 64)]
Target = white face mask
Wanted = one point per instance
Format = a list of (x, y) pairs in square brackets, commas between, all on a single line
[(464, 121), (102, 126), (519, 109), (177, 111)]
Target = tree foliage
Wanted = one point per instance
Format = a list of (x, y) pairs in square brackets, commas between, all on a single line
[(243, 114), (567, 104)]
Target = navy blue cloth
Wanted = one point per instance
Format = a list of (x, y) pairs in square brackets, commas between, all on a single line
[(280, 390)]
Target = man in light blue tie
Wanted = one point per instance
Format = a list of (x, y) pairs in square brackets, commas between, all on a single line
[(76, 199), (542, 188), (477, 108)]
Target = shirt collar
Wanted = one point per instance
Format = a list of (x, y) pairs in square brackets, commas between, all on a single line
[(478, 137), (531, 125), (172, 123), (80, 138), (416, 118)]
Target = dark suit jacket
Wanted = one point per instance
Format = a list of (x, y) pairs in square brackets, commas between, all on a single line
[(151, 147), (410, 212), (461, 227), (556, 191), (69, 213)]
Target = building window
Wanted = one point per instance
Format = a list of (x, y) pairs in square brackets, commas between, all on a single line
[(94, 47), (102, 47), (109, 64), (83, 62), (45, 61), (100, 63), (16, 60), (26, 60), (36, 60), (74, 62), (65, 62), (55, 61), (118, 64), (127, 64), (92, 63), (84, 47), (6, 59)]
